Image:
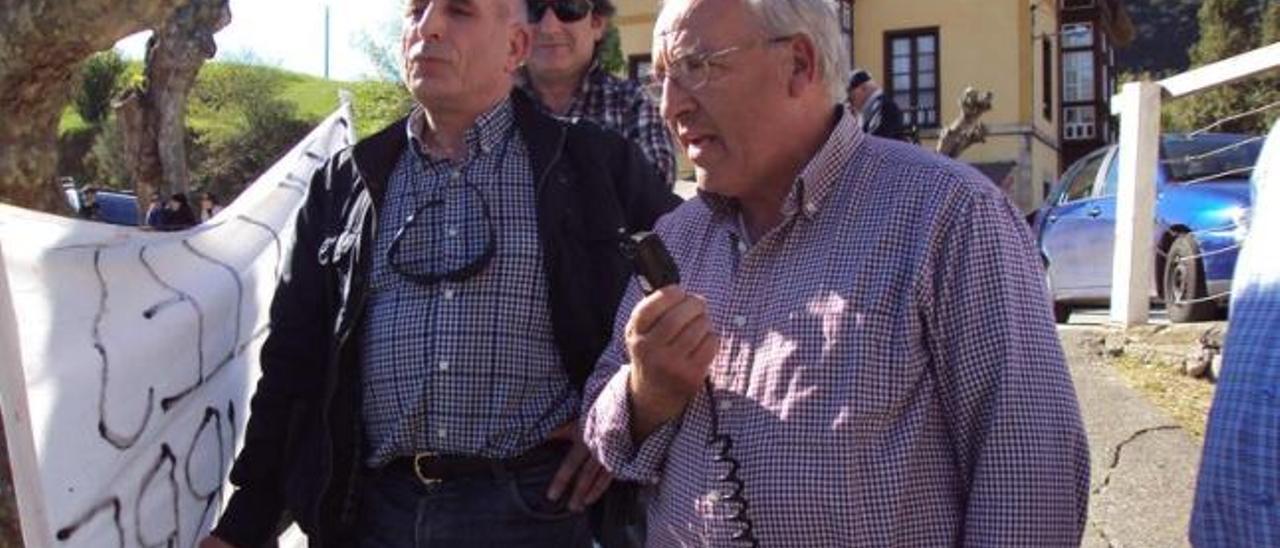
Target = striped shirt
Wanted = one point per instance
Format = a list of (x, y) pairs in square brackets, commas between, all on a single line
[(468, 367), (1238, 493), (889, 371), (622, 106)]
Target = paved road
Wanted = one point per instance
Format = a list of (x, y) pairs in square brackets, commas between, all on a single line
[(1144, 465)]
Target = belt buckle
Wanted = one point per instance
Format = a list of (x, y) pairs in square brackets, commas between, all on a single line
[(417, 468)]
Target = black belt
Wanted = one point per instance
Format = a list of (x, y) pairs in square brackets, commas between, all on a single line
[(434, 468)]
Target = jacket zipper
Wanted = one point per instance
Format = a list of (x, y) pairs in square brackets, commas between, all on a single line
[(361, 293)]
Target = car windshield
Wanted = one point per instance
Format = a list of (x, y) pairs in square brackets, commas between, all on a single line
[(1210, 157)]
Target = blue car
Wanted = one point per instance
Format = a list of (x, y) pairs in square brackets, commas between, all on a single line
[(117, 208), (1202, 207)]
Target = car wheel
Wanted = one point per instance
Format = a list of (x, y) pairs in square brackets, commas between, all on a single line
[(1185, 296), (1061, 311)]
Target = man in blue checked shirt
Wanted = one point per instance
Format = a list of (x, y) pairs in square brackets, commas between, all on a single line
[(452, 283), (860, 351), (1238, 492)]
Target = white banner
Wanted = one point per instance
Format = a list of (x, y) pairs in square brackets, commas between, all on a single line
[(127, 359)]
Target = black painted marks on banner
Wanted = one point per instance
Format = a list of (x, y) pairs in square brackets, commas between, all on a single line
[(112, 504), (275, 240), (210, 496), (235, 277), (180, 296), (116, 439), (170, 539)]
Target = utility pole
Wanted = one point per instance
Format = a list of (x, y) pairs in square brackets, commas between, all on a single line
[(326, 41)]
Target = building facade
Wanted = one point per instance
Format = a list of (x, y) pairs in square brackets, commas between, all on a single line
[(1049, 63)]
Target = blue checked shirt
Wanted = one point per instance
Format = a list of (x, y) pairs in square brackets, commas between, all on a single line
[(889, 371), (470, 367), (623, 106), (1238, 493)]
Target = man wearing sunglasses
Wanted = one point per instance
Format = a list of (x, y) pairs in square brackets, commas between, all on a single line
[(565, 75), (451, 285), (860, 351)]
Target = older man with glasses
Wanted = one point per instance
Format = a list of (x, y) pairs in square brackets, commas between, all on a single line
[(565, 75), (860, 351), (451, 286)]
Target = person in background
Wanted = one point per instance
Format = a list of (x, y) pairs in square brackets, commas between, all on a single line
[(860, 350), (89, 203), (1237, 499), (565, 75), (209, 206), (156, 215), (178, 214), (880, 114)]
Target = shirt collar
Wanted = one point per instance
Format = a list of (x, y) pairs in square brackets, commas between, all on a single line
[(818, 178), (488, 131), (594, 79)]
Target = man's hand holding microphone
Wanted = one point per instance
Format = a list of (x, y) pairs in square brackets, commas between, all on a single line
[(669, 339)]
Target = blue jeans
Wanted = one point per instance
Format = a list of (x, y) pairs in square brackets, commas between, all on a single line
[(508, 509)]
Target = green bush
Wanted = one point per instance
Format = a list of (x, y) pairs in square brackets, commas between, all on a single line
[(375, 104), (100, 79), (241, 125), (104, 164), (611, 59)]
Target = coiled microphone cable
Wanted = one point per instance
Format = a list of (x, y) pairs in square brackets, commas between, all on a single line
[(656, 269)]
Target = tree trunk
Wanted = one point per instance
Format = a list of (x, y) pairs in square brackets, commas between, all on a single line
[(153, 116), (138, 137), (42, 43), (966, 130)]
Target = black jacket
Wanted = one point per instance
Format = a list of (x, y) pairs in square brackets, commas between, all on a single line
[(884, 118), (303, 444)]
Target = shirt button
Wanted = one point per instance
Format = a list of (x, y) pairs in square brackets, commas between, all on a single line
[(448, 294), (742, 246), (456, 176), (725, 405), (442, 433), (740, 321), (453, 232), (444, 365)]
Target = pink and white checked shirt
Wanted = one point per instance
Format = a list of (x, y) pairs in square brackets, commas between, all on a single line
[(889, 371)]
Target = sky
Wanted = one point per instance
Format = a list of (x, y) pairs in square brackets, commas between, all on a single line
[(289, 34)]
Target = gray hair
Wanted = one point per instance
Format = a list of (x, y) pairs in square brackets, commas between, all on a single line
[(816, 19)]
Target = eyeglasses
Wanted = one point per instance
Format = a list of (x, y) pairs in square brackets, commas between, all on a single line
[(692, 71), (425, 224), (567, 11)]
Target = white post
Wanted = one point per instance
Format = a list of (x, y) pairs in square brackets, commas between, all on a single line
[(1131, 274)]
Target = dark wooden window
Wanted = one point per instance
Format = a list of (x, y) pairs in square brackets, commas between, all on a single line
[(1079, 82), (911, 63), (639, 67), (1078, 4)]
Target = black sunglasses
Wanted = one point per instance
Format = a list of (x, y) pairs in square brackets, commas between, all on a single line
[(567, 11), (421, 219)]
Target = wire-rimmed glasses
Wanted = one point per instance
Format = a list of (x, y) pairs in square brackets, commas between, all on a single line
[(692, 71)]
